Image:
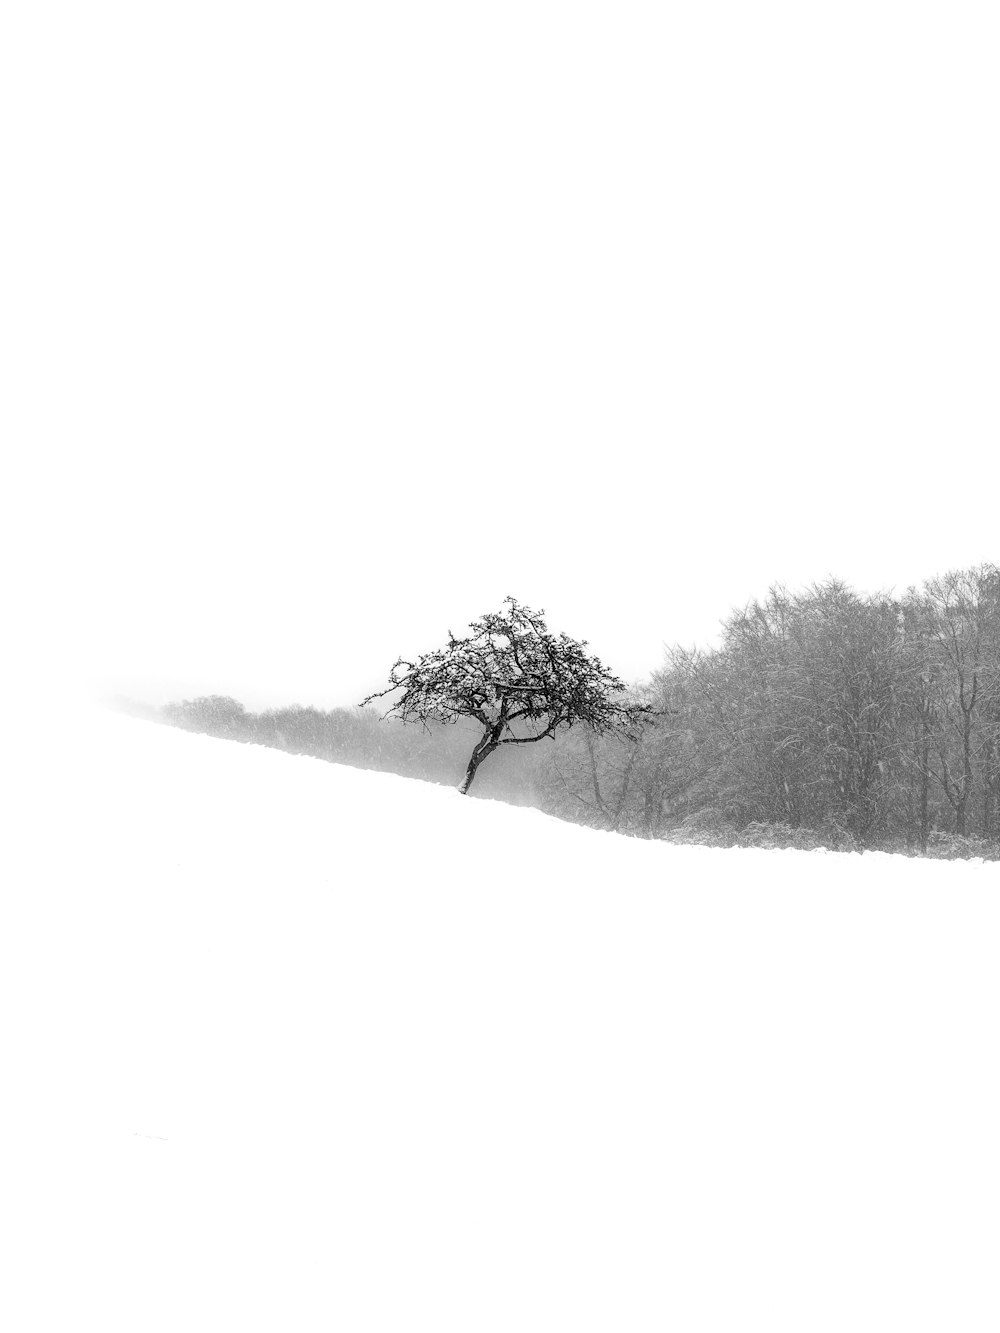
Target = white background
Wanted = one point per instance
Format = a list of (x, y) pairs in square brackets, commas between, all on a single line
[(330, 325)]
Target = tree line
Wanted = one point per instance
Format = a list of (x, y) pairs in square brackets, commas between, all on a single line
[(359, 737), (823, 717), (826, 717)]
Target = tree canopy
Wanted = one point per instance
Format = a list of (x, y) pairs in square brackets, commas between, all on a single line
[(518, 680)]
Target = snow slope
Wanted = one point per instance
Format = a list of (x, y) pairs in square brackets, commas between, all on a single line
[(295, 1047)]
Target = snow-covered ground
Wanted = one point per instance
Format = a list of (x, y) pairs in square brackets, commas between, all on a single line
[(293, 1047)]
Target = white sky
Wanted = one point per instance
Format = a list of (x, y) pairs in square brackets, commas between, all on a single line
[(335, 323)]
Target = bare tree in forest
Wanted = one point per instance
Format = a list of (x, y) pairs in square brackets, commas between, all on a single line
[(520, 682), (596, 776), (962, 606), (918, 691)]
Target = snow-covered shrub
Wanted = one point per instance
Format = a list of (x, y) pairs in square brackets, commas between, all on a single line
[(772, 835), (957, 846)]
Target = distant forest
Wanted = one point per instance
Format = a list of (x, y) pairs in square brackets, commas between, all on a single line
[(824, 718)]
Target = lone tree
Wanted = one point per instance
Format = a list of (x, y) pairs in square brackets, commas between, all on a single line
[(513, 677)]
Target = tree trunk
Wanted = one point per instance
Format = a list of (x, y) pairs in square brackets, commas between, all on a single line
[(483, 750), (924, 742), (925, 792), (991, 790), (652, 805)]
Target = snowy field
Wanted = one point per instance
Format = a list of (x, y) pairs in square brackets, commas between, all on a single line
[(294, 1047)]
